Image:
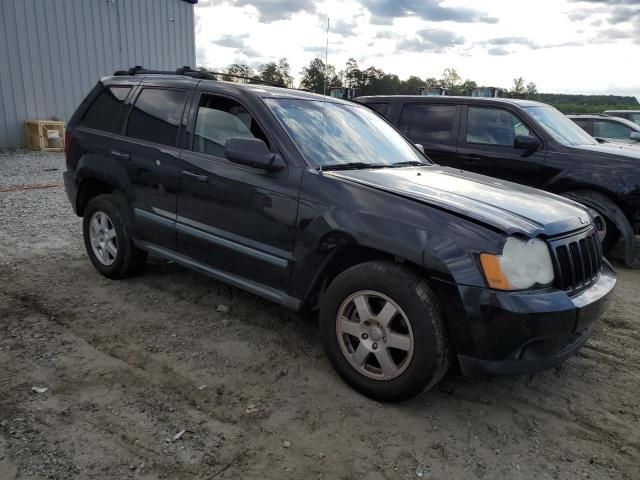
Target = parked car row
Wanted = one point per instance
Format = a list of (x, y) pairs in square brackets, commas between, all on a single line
[(319, 203), (530, 143)]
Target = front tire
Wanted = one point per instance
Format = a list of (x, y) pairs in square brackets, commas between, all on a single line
[(383, 331), (107, 241)]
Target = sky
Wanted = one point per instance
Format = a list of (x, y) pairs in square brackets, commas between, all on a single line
[(564, 46)]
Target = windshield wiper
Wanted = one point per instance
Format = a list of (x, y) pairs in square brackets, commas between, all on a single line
[(354, 166), (408, 164)]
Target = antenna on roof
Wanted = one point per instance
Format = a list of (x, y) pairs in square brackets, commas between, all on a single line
[(324, 90)]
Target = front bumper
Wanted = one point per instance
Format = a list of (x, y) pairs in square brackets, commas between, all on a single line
[(525, 332)]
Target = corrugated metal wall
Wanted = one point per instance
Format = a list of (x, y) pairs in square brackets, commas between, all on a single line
[(52, 52)]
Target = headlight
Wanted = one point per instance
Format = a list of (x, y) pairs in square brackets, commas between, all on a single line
[(521, 265)]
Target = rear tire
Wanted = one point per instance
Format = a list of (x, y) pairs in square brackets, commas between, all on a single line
[(108, 243), (383, 331)]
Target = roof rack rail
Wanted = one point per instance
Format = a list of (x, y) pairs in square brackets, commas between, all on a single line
[(184, 71), (190, 72)]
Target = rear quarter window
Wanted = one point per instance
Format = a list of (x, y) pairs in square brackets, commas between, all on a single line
[(156, 115), (104, 110)]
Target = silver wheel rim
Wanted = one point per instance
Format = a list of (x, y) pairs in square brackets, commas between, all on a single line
[(600, 224), (375, 335), (103, 238)]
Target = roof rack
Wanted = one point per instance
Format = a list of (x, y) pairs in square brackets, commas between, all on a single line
[(187, 71)]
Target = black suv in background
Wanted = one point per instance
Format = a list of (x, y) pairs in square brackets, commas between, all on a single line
[(530, 143), (315, 202)]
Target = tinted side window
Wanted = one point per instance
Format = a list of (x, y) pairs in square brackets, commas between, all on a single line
[(492, 126), (104, 109), (381, 108), (156, 115), (429, 123), (607, 129), (220, 119)]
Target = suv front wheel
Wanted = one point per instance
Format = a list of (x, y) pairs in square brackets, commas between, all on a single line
[(383, 331), (107, 241)]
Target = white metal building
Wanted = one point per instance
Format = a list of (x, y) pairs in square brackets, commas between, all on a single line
[(52, 52)]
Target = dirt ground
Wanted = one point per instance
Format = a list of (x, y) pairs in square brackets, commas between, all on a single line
[(129, 365)]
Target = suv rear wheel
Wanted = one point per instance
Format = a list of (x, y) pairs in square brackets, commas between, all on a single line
[(383, 331), (107, 241)]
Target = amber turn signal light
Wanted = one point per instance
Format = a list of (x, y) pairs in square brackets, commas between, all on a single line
[(493, 272)]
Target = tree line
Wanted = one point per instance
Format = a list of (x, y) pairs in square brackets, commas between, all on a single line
[(319, 78)]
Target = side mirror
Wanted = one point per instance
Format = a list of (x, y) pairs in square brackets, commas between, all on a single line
[(420, 147), (252, 152), (635, 136), (526, 142)]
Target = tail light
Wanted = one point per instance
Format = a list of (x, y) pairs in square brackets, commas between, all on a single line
[(67, 145)]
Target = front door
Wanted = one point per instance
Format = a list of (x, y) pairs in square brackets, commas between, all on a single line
[(236, 219), (486, 145)]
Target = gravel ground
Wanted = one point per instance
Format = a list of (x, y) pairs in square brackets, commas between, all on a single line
[(174, 375)]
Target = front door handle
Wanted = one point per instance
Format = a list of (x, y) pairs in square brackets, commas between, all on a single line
[(471, 158), (121, 155), (198, 177)]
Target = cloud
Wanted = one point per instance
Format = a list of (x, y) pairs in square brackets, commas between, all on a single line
[(613, 34), (346, 29), (511, 41), (273, 10), (498, 51), (613, 12), (231, 41), (497, 46), (237, 42), (384, 11), (319, 50), (386, 34), (430, 40)]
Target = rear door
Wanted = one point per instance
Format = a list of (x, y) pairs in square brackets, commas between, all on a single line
[(93, 132), (147, 148), (435, 127), (234, 218), (485, 145)]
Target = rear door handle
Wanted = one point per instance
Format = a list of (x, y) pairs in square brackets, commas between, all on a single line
[(471, 158), (121, 155), (198, 177)]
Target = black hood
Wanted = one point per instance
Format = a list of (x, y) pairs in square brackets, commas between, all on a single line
[(622, 154), (504, 205)]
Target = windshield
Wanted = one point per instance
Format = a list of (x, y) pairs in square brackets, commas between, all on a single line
[(635, 117), (560, 127), (351, 134)]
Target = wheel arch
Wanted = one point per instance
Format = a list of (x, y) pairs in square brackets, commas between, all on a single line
[(603, 203), (345, 255)]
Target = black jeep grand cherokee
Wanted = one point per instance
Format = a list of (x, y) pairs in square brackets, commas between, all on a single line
[(310, 202)]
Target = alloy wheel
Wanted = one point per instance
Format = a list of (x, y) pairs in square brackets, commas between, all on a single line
[(103, 238), (375, 335)]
